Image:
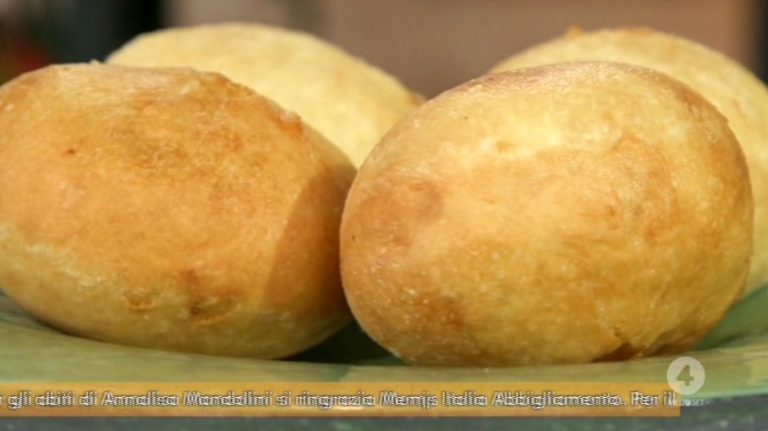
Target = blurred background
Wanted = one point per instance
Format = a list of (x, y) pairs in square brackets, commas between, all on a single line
[(431, 45)]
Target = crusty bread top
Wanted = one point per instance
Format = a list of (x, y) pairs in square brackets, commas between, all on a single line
[(736, 92), (349, 101)]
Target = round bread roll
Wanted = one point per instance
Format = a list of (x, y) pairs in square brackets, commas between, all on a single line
[(561, 214), (168, 208), (350, 102), (736, 93)]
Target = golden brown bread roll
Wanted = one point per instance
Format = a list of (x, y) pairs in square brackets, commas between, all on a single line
[(559, 214), (168, 208), (737, 94), (350, 102)]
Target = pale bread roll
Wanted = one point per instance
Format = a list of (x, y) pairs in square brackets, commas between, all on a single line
[(168, 208), (736, 93), (562, 214), (347, 100)]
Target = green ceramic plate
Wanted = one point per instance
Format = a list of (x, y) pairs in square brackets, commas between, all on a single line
[(734, 355)]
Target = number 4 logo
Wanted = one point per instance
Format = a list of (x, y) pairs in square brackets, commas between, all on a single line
[(686, 375)]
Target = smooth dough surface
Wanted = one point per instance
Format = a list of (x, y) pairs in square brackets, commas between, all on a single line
[(561, 214), (347, 100), (168, 208), (736, 92)]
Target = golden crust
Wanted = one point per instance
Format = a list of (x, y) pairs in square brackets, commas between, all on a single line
[(568, 213), (737, 94), (350, 102), (168, 208)]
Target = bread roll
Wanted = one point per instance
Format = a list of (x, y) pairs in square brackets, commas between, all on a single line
[(350, 102), (170, 209), (561, 214), (737, 94)]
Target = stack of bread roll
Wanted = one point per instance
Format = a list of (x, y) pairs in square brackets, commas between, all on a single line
[(588, 200), (179, 208)]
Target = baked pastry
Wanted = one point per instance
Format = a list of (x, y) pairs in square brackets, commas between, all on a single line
[(170, 209), (737, 94), (560, 214), (350, 102)]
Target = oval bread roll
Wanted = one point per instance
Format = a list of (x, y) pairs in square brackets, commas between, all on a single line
[(561, 214), (736, 93), (347, 100), (168, 208)]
